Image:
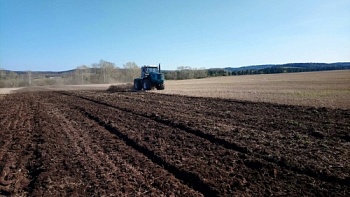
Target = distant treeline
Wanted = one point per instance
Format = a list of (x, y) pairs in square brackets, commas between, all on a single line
[(283, 68), (185, 72), (188, 73), (107, 72), (97, 73)]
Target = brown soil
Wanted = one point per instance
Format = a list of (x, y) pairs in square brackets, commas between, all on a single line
[(95, 143), (121, 88)]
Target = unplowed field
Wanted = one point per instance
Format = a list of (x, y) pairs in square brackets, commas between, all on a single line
[(95, 143)]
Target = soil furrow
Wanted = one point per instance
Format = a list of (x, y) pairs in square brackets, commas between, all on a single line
[(93, 143), (283, 161), (147, 180), (187, 177), (14, 178), (237, 111), (101, 111)]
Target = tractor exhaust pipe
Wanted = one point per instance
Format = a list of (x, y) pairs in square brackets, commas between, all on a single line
[(159, 67)]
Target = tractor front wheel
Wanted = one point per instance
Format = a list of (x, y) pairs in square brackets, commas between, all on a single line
[(146, 84), (160, 87)]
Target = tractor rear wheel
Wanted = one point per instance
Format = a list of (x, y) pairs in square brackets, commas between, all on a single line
[(146, 84), (137, 84)]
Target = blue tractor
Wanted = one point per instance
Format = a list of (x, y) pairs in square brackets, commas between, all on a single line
[(150, 78)]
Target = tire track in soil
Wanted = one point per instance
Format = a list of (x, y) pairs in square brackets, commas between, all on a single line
[(249, 163), (50, 174), (92, 153), (201, 187), (99, 157), (283, 116), (281, 162), (218, 108), (283, 134), (190, 179), (82, 141), (320, 120), (281, 111), (46, 151), (277, 113), (186, 176)]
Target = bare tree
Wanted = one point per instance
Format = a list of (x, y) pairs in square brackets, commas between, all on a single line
[(200, 73), (185, 72), (83, 74), (29, 76), (132, 71), (13, 77), (107, 69), (2, 78), (2, 74), (95, 73)]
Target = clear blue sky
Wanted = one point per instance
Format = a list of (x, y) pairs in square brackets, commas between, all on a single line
[(63, 34)]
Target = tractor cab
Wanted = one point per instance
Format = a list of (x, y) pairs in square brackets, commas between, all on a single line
[(146, 70)]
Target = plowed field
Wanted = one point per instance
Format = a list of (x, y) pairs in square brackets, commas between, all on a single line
[(94, 143)]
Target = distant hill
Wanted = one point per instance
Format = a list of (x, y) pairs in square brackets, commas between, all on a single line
[(255, 67), (296, 66), (94, 75), (278, 68), (98, 76), (42, 73)]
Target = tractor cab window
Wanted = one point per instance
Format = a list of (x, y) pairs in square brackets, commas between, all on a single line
[(152, 69)]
